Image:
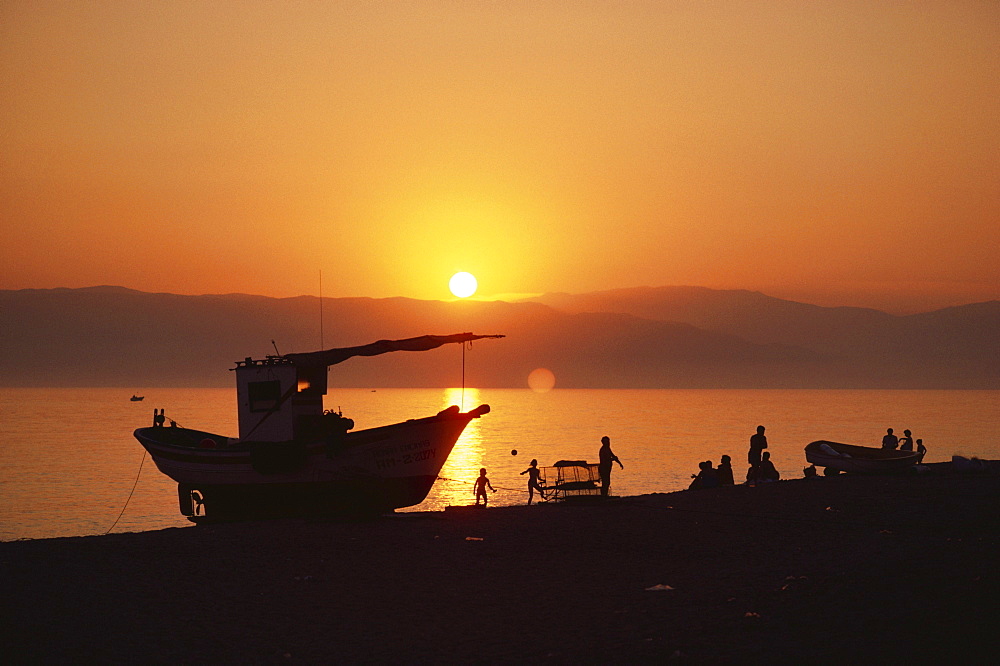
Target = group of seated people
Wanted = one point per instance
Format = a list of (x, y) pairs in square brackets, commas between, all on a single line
[(713, 477), (905, 443)]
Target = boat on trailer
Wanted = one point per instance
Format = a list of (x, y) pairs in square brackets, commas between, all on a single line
[(294, 457), (859, 459)]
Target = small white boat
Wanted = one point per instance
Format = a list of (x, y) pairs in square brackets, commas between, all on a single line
[(860, 459), (294, 457)]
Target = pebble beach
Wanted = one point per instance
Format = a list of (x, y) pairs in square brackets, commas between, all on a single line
[(877, 569)]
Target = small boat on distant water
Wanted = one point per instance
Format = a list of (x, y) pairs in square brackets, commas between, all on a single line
[(137, 398), (292, 457), (859, 459)]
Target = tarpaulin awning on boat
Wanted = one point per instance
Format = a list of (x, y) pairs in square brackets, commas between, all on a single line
[(329, 357)]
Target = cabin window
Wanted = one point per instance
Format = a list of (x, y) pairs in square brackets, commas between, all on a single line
[(264, 395), (312, 380)]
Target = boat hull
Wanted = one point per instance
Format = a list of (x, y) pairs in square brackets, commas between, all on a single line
[(379, 469), (859, 459), (350, 497)]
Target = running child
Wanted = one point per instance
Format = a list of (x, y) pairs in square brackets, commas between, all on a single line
[(533, 473)]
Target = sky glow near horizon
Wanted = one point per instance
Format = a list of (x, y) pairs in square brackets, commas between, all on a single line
[(837, 153)]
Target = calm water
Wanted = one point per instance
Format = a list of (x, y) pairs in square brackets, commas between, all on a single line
[(68, 460)]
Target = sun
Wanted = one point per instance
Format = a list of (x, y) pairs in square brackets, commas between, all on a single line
[(541, 380), (463, 284)]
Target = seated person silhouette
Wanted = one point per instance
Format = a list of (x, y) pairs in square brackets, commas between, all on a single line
[(725, 471), (705, 478), (766, 471)]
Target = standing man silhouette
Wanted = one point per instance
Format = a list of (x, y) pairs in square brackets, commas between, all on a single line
[(607, 457), (758, 442)]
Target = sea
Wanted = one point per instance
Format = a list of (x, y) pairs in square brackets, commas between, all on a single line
[(70, 466)]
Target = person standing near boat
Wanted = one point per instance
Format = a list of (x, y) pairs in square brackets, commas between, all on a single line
[(906, 443), (921, 449), (532, 473), (758, 442), (890, 441), (606, 457)]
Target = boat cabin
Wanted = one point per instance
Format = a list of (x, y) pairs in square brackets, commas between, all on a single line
[(281, 397), (278, 400)]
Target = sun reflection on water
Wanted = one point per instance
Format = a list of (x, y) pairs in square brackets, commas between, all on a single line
[(454, 485)]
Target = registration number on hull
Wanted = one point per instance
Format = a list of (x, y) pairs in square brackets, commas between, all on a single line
[(404, 454)]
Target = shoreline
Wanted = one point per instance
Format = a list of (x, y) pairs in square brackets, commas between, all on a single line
[(817, 570)]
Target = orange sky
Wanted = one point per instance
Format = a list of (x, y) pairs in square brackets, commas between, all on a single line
[(837, 153)]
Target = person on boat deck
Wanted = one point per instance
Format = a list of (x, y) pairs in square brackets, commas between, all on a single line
[(766, 471), (758, 442), (707, 477), (725, 471), (889, 441), (532, 473), (921, 449), (606, 457), (906, 442), (482, 483)]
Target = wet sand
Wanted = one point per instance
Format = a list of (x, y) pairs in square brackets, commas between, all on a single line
[(890, 569)]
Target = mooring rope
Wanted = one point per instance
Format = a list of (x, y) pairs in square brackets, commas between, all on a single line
[(141, 462), (513, 490)]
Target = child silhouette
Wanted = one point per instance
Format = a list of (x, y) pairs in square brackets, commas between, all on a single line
[(482, 483)]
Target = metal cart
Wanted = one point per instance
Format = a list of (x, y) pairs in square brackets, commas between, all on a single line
[(570, 479)]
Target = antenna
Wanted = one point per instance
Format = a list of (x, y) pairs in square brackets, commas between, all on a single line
[(275, 348), (462, 399), (321, 309)]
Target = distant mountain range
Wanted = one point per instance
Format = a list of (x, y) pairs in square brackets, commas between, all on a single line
[(665, 337)]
